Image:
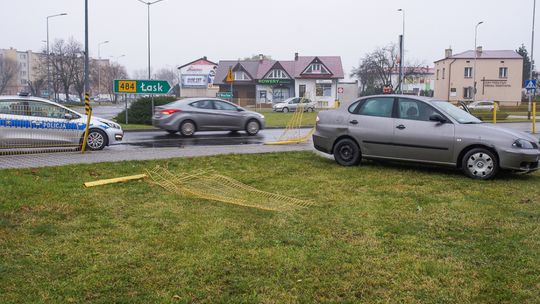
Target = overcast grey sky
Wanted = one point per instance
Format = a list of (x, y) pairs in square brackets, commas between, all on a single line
[(186, 30)]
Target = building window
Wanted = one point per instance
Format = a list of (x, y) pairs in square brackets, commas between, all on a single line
[(468, 72), (277, 74), (323, 89), (316, 68), (302, 90), (443, 73), (503, 72), (240, 75), (467, 92)]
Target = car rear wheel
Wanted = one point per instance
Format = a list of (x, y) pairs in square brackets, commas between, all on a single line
[(97, 140), (310, 109), (285, 110), (347, 152), (252, 127), (187, 128), (480, 164)]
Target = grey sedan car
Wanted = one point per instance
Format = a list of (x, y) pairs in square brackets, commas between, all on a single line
[(206, 114), (417, 129)]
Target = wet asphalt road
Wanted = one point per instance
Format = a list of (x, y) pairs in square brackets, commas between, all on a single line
[(162, 139)]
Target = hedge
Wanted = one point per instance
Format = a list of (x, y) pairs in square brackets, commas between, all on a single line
[(140, 111)]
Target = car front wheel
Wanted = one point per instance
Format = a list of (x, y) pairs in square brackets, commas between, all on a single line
[(285, 110), (480, 164), (347, 152), (97, 140)]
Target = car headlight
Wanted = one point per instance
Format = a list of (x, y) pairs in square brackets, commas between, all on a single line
[(111, 124), (524, 144)]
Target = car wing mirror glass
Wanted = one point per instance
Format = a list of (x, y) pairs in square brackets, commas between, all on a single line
[(437, 118), (68, 116)]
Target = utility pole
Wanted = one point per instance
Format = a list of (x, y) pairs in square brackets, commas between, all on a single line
[(88, 109), (532, 62), (402, 53)]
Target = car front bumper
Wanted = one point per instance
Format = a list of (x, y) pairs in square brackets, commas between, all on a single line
[(115, 136), (520, 160)]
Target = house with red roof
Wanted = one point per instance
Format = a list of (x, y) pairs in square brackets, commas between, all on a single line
[(270, 81)]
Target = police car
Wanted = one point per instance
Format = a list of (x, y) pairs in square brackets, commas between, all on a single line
[(31, 122)]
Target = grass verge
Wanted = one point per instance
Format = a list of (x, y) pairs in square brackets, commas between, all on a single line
[(378, 233)]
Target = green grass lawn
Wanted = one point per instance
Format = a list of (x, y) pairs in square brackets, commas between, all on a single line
[(279, 119), (135, 126), (378, 233)]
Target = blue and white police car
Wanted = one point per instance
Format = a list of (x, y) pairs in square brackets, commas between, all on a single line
[(31, 122)]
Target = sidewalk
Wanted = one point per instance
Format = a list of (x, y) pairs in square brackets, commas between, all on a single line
[(112, 155)]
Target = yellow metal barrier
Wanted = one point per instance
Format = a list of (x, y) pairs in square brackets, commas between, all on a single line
[(292, 133), (114, 180)]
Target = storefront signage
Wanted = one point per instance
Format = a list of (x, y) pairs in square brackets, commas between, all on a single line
[(274, 81), (194, 80)]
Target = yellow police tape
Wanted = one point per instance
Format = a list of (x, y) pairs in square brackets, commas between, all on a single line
[(212, 186)]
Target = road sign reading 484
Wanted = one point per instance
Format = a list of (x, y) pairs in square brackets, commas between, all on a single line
[(141, 86)]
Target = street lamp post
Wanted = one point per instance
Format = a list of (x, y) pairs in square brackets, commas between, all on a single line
[(99, 67), (149, 75), (402, 53), (475, 55), (48, 58)]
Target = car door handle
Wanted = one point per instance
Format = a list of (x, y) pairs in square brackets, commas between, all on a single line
[(401, 127), (354, 122)]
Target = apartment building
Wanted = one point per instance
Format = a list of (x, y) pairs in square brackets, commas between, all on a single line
[(497, 77), (28, 62)]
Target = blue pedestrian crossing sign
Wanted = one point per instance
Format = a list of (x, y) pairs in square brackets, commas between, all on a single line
[(530, 84)]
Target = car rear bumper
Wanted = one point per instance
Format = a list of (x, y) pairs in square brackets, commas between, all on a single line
[(321, 143), (521, 160)]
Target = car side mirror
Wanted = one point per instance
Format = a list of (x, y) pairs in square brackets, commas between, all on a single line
[(240, 109), (68, 116), (437, 118)]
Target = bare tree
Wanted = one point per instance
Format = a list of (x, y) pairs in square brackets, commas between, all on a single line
[(65, 60), (376, 70), (8, 71), (168, 74), (111, 72)]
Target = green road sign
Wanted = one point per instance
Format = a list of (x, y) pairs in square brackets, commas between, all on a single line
[(141, 86), (224, 95)]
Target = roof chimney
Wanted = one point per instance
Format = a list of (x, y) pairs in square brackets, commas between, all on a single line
[(479, 49), (261, 57), (295, 56), (447, 53), (204, 57)]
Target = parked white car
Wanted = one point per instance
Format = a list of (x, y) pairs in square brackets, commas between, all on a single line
[(483, 105), (292, 104)]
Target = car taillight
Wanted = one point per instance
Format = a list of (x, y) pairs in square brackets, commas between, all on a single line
[(169, 111)]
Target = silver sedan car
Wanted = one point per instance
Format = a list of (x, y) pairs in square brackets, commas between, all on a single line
[(404, 128), (206, 114)]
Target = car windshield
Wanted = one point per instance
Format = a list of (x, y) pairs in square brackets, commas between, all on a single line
[(456, 113)]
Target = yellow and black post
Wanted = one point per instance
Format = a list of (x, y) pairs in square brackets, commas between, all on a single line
[(88, 111)]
